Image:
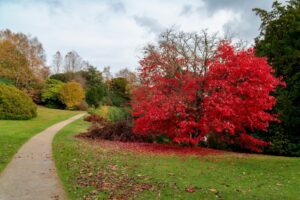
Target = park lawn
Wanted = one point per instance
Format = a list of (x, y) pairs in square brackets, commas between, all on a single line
[(14, 133), (90, 170)]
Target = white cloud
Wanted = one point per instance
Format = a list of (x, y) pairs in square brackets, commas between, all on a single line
[(108, 32)]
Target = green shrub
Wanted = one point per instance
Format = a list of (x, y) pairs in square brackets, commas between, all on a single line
[(6, 81), (50, 93), (118, 94), (95, 95), (15, 104), (63, 77), (116, 99), (111, 113), (117, 114)]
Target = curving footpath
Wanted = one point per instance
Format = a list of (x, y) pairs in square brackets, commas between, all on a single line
[(31, 174)]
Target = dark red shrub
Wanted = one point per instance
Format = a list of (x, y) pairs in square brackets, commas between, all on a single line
[(95, 119), (118, 131)]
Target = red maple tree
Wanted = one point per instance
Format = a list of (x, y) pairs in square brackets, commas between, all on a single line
[(228, 96)]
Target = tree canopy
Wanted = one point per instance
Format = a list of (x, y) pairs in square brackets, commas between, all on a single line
[(226, 93), (279, 41)]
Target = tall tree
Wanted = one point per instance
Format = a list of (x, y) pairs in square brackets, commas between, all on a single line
[(92, 76), (14, 65), (279, 41), (107, 74), (73, 62), (32, 49), (57, 62), (130, 76)]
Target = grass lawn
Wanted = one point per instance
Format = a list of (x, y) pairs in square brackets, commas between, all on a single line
[(14, 133), (90, 170)]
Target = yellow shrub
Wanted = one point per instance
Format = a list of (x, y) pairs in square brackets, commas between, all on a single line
[(71, 94), (103, 111)]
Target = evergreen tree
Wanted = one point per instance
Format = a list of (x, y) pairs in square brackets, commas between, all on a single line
[(279, 41)]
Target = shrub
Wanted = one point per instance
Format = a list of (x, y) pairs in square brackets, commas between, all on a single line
[(119, 93), (91, 110), (95, 95), (83, 106), (50, 93), (6, 81), (112, 113), (60, 77), (71, 94), (118, 131), (15, 104), (115, 99), (96, 119), (107, 101), (118, 85), (34, 91)]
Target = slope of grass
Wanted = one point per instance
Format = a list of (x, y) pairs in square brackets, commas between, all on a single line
[(14, 133), (92, 170)]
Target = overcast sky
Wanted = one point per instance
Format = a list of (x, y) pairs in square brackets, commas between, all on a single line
[(113, 32)]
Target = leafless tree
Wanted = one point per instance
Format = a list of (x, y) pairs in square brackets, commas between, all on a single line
[(130, 76), (84, 64), (57, 62), (106, 73), (193, 49), (73, 62)]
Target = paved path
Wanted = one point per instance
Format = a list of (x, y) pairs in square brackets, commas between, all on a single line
[(31, 174)]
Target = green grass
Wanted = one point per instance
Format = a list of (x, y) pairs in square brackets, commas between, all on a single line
[(14, 133), (6, 81), (92, 170)]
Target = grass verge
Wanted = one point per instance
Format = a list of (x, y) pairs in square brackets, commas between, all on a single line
[(90, 170), (14, 133)]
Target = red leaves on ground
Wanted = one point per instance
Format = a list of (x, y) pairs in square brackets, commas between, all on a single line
[(190, 189), (232, 96), (165, 149)]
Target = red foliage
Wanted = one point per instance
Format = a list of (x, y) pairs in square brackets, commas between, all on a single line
[(232, 96), (165, 149), (117, 131)]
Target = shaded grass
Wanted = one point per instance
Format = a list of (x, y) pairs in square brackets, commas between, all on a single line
[(14, 133), (89, 170)]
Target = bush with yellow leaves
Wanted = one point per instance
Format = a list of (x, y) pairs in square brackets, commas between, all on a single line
[(71, 94)]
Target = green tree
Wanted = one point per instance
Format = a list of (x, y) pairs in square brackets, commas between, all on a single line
[(119, 86), (60, 77), (118, 91), (92, 76), (95, 95), (50, 93), (279, 41)]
